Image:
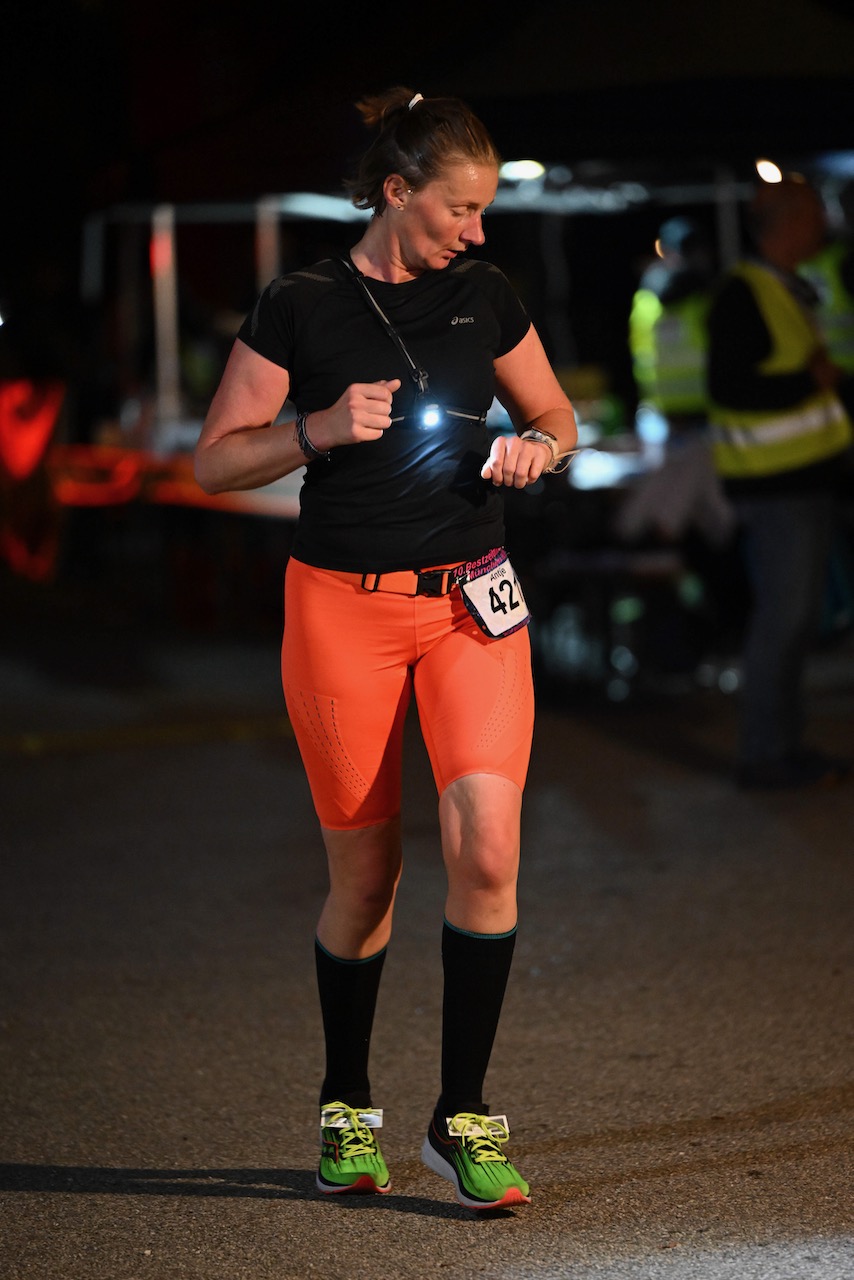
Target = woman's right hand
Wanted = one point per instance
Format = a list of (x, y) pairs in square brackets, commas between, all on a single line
[(362, 413), (242, 446)]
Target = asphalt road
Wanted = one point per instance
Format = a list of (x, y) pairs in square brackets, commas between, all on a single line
[(677, 1052)]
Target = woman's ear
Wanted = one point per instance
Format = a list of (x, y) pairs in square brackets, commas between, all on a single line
[(396, 191)]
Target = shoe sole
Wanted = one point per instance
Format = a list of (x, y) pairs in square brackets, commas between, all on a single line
[(363, 1186), (432, 1159)]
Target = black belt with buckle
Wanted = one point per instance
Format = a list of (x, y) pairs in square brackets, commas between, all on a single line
[(414, 582)]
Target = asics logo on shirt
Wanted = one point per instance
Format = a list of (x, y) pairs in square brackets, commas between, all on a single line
[(462, 319)]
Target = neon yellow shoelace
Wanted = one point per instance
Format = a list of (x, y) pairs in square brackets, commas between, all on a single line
[(354, 1140), (483, 1146)]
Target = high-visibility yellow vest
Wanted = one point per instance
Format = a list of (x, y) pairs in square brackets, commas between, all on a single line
[(756, 443), (668, 344), (835, 312)]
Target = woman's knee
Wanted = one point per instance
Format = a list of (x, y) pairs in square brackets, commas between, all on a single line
[(367, 903), (365, 864), (480, 817), (364, 872)]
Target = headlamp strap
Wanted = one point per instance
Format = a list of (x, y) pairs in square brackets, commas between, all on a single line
[(416, 373)]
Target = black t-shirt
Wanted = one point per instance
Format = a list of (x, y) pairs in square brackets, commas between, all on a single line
[(414, 497)]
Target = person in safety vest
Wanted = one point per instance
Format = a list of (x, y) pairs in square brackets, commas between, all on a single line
[(667, 325), (781, 442), (668, 340), (831, 273), (679, 497)]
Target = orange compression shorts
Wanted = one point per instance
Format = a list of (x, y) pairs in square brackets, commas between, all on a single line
[(351, 659)]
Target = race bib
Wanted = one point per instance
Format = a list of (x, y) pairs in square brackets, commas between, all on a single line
[(493, 596)]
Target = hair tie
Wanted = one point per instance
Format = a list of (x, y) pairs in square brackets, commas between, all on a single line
[(418, 98)]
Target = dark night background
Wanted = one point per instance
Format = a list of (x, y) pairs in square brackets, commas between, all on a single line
[(111, 105), (678, 1024), (186, 101)]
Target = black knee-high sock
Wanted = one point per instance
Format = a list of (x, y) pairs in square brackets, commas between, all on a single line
[(348, 999), (476, 968)]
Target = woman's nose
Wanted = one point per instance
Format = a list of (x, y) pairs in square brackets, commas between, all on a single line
[(473, 233)]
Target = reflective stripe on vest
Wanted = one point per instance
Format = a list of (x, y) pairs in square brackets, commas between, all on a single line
[(751, 443), (785, 440)]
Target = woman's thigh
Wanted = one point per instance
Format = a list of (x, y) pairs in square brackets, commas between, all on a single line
[(345, 674), (475, 701)]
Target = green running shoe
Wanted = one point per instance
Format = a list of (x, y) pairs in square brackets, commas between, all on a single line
[(466, 1150), (350, 1158)]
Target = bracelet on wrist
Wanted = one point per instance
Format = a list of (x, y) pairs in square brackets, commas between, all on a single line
[(542, 437), (546, 438), (301, 438)]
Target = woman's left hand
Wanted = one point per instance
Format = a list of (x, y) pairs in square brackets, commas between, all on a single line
[(516, 462)]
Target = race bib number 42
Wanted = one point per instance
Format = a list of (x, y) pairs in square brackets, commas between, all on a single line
[(493, 596)]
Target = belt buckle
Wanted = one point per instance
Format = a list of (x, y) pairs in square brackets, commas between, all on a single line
[(434, 582)]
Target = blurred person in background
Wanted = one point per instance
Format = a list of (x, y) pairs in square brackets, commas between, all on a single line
[(668, 338), (679, 498), (831, 274), (782, 443)]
